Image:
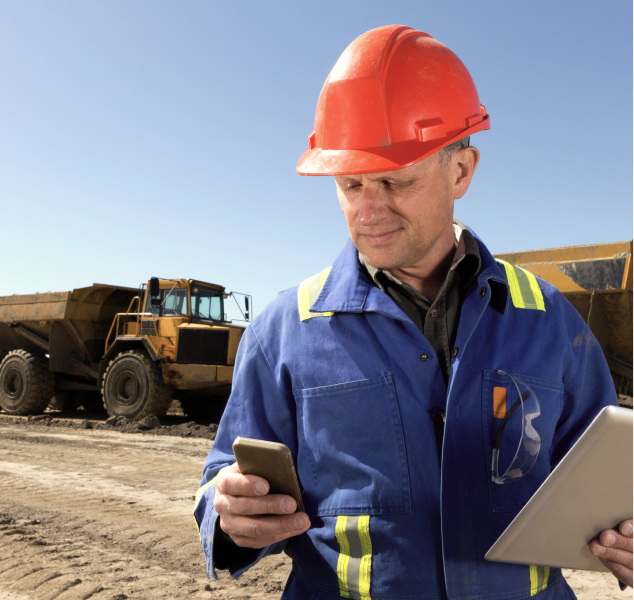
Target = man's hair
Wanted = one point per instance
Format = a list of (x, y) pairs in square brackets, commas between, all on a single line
[(446, 153)]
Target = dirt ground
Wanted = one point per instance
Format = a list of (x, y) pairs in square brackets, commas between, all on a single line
[(99, 513)]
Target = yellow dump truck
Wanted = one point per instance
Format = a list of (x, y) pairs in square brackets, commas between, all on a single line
[(129, 350), (597, 280)]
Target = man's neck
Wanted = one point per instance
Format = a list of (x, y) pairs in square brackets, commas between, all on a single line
[(429, 274), (428, 285)]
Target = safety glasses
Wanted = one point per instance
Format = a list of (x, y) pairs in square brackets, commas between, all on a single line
[(517, 442)]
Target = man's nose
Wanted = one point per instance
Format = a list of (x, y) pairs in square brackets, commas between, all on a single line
[(372, 207)]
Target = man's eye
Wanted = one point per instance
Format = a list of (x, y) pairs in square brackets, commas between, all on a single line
[(352, 186)]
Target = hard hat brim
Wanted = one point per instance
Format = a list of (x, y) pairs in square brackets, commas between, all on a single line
[(319, 161)]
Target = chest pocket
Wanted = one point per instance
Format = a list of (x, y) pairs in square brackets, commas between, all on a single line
[(354, 471), (512, 495)]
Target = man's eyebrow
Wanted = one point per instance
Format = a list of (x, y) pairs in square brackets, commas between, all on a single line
[(391, 180), (397, 181)]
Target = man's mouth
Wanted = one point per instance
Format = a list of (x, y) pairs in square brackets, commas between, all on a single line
[(378, 239)]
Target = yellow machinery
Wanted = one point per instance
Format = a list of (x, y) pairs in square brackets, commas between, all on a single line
[(137, 347), (140, 348), (597, 280)]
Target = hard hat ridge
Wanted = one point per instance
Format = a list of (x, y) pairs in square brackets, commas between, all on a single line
[(395, 96)]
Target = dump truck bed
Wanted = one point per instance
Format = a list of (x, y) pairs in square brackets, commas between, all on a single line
[(597, 280), (62, 323)]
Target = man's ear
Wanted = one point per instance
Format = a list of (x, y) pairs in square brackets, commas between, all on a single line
[(464, 163)]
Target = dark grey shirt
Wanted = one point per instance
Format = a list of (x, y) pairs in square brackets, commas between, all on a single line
[(437, 320)]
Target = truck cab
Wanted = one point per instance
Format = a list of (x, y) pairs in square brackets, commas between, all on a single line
[(179, 326)]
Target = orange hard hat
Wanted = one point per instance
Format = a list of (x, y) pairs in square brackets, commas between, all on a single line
[(395, 96)]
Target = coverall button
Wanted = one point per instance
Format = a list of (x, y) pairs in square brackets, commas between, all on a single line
[(483, 292), (454, 353), (433, 312), (424, 356)]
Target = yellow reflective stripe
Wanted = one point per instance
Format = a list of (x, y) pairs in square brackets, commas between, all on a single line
[(201, 490), (307, 295), (533, 575), (525, 292), (354, 565), (539, 579), (537, 293), (516, 295), (344, 555), (199, 495), (366, 558)]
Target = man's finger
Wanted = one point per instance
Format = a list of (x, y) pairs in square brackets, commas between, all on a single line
[(626, 528), (266, 527), (231, 482), (614, 539), (620, 572), (249, 542), (621, 557), (271, 504)]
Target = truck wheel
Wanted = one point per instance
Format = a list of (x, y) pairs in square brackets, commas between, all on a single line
[(26, 384), (133, 387)]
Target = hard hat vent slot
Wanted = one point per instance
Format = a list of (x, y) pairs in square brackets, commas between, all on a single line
[(471, 121), (431, 129)]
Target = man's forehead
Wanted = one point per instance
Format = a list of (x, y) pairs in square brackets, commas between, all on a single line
[(406, 173)]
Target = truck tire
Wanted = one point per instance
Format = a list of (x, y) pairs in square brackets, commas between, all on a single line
[(133, 387), (26, 384)]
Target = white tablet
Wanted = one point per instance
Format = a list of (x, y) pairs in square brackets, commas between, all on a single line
[(589, 491)]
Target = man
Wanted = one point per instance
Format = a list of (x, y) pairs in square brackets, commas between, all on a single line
[(389, 375)]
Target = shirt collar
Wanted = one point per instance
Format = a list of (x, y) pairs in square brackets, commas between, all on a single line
[(348, 288)]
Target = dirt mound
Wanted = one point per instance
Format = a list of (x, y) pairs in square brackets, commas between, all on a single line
[(148, 426)]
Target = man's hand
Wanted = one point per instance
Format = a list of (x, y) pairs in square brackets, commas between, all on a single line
[(614, 549), (248, 513)]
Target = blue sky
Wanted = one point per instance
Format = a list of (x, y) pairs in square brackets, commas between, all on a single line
[(145, 138)]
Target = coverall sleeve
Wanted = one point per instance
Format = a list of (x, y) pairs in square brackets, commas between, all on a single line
[(258, 408), (588, 387)]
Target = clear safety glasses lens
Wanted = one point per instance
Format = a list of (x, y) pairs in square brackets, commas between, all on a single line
[(517, 442)]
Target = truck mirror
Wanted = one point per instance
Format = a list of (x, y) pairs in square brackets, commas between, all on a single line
[(155, 292), (246, 303)]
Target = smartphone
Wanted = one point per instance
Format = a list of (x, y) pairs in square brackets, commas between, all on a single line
[(271, 461)]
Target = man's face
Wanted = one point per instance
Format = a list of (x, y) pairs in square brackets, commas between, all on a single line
[(398, 219)]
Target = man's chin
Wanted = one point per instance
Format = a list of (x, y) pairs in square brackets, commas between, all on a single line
[(380, 261)]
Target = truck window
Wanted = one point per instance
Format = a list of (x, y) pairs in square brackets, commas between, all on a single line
[(174, 306), (206, 304)]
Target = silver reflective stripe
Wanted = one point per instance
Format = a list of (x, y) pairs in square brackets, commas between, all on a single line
[(539, 579), (354, 566), (525, 291), (354, 562)]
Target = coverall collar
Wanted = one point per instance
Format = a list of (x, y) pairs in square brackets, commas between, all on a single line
[(348, 288)]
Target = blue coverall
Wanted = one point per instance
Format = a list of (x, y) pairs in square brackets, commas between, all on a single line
[(349, 391)]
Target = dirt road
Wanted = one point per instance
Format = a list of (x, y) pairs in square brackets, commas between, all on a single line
[(107, 515), (87, 514)]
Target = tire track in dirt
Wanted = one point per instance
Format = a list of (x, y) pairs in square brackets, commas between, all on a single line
[(103, 515)]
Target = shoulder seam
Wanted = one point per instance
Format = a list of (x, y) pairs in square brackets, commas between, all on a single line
[(266, 358)]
